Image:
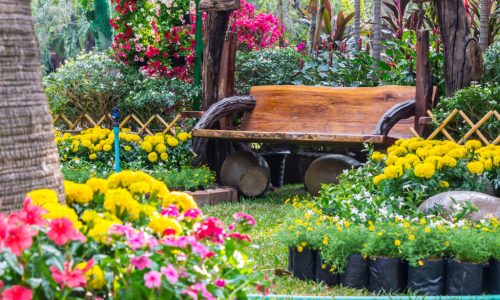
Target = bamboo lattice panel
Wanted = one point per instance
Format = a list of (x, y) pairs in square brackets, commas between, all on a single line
[(151, 126), (474, 128)]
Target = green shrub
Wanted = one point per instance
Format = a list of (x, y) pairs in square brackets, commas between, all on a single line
[(265, 67), (475, 102), (468, 245), (91, 83), (491, 64), (187, 179)]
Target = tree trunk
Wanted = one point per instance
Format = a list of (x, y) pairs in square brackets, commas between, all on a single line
[(484, 25), (462, 55), (312, 26), (357, 24), (28, 155), (377, 29), (214, 35), (319, 21), (282, 22)]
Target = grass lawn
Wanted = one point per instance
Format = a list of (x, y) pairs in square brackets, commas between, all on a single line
[(269, 212)]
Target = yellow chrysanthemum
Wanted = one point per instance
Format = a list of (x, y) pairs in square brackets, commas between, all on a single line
[(107, 147), (472, 145), (183, 136), (182, 200), (160, 223), (161, 148), (152, 157), (140, 187), (377, 179), (475, 167), (164, 156), (120, 201), (57, 211), (100, 231), (444, 184), (397, 243), (98, 185), (146, 146), (377, 156), (79, 193), (172, 142), (95, 276), (425, 170), (393, 171), (43, 197)]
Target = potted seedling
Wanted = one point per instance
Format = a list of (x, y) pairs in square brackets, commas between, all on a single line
[(387, 272), (423, 247), (493, 278), (468, 248)]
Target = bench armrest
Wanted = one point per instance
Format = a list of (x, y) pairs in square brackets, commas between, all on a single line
[(398, 112), (225, 107)]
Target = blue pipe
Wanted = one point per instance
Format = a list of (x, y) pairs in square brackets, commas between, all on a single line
[(116, 130)]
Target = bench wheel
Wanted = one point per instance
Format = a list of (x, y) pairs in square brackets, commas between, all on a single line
[(247, 172), (325, 170)]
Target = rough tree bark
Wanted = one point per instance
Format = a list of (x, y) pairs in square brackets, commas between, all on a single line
[(484, 25), (462, 55), (28, 155), (377, 29), (216, 24), (357, 23)]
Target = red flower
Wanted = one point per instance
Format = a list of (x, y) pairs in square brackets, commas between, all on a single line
[(62, 230), (71, 278), (152, 51), (212, 229), (241, 237), (17, 292), (19, 238)]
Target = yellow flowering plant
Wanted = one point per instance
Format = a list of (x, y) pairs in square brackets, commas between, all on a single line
[(384, 239)]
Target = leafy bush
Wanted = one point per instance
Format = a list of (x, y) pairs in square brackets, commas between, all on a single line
[(468, 245), (94, 83), (265, 67), (91, 83), (475, 102), (491, 64), (187, 179)]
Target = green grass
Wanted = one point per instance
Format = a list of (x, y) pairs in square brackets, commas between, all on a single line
[(271, 255)]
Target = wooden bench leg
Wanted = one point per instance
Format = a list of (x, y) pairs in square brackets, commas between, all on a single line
[(325, 170), (247, 172)]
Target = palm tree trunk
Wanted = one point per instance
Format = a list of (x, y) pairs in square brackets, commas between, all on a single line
[(312, 27), (357, 24), (484, 24), (377, 29), (28, 154)]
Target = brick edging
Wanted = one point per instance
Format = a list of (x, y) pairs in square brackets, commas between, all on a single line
[(215, 196)]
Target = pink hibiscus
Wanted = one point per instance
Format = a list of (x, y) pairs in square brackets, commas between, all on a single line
[(19, 238), (17, 292), (170, 273), (70, 277), (29, 215), (62, 230), (141, 262), (152, 279)]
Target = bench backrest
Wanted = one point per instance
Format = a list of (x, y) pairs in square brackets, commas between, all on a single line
[(310, 109)]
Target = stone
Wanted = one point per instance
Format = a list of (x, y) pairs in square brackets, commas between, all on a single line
[(486, 204)]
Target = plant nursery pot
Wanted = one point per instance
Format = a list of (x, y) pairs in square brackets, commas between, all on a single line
[(387, 274), (276, 163), (493, 277), (323, 273), (290, 259), (356, 272), (428, 279), (304, 264), (464, 278)]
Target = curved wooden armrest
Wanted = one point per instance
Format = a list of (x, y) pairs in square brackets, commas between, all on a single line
[(225, 107), (398, 112)]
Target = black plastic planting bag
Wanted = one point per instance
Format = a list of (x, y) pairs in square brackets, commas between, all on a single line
[(324, 273), (493, 277), (464, 278), (356, 272), (304, 264), (290, 259), (387, 274), (428, 279)]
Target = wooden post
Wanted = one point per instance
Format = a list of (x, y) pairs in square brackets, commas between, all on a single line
[(423, 98), (462, 55), (226, 74)]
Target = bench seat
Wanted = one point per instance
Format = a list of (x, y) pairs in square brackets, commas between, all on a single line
[(292, 137)]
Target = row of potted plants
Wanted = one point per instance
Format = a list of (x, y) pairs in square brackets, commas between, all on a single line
[(125, 237), (434, 255)]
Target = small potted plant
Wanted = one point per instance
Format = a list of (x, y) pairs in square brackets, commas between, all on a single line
[(493, 274), (469, 250), (423, 247), (343, 252), (387, 271)]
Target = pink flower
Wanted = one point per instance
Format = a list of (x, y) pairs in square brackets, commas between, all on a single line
[(301, 46), (141, 262), (201, 250), (241, 237), (62, 230), (170, 273), (17, 292), (172, 211), (195, 289), (29, 215), (244, 218), (19, 238), (71, 278), (211, 229), (137, 240), (220, 283), (178, 242), (152, 279), (118, 229), (193, 213)]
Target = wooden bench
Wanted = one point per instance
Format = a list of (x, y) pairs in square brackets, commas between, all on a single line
[(344, 117)]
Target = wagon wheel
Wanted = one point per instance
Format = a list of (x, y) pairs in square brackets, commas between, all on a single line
[(325, 170), (247, 172)]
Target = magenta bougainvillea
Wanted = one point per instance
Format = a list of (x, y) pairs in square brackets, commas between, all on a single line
[(152, 35)]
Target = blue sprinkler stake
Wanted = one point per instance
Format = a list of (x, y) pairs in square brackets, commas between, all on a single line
[(115, 115)]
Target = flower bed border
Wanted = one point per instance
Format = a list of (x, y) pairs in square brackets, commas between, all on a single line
[(283, 297), (214, 196)]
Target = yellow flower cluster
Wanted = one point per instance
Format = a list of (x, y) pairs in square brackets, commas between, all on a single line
[(426, 157), (160, 223), (95, 276), (43, 197), (79, 193), (182, 200)]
